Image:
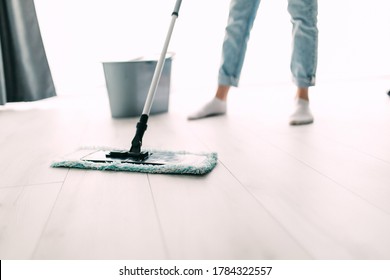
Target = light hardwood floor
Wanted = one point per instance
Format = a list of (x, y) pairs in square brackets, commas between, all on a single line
[(320, 191)]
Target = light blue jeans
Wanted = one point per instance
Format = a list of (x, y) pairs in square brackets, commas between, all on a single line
[(304, 40)]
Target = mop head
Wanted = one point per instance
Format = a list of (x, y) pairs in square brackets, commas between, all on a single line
[(160, 161)]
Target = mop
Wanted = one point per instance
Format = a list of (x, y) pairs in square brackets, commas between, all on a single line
[(135, 159)]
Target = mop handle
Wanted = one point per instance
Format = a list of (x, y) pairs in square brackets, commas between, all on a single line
[(160, 63), (177, 8)]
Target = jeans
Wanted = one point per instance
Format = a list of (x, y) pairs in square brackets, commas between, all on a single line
[(304, 40)]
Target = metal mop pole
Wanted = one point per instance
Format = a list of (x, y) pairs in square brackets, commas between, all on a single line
[(135, 150), (161, 61)]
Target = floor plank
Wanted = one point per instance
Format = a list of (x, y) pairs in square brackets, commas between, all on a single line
[(24, 212), (360, 116), (103, 215), (212, 216), (332, 222), (42, 134), (359, 172)]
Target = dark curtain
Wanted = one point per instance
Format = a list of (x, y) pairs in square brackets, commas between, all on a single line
[(24, 70)]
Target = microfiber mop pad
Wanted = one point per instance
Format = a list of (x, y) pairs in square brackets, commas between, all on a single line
[(160, 161)]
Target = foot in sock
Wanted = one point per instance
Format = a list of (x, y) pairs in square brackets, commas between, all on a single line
[(302, 114), (213, 108)]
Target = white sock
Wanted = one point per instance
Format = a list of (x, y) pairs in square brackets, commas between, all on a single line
[(302, 114), (212, 108)]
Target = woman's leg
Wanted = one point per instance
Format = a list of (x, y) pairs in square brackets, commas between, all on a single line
[(241, 17), (304, 55)]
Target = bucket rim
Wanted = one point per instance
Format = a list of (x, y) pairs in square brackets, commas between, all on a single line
[(144, 58)]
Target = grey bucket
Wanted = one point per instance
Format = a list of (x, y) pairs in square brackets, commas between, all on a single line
[(128, 84)]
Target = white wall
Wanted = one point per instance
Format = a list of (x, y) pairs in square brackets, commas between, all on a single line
[(79, 34)]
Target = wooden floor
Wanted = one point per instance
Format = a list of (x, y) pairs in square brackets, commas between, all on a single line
[(278, 192)]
